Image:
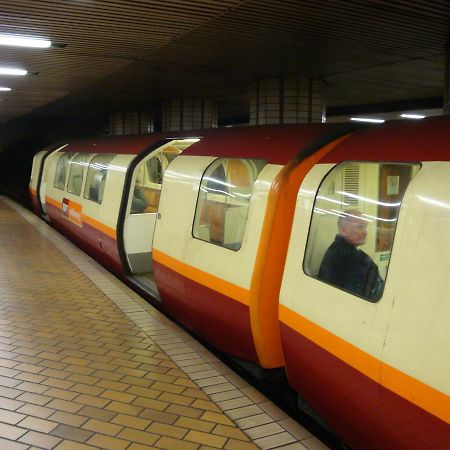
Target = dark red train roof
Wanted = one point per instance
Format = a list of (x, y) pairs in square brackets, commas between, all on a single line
[(132, 145), (402, 140), (275, 144)]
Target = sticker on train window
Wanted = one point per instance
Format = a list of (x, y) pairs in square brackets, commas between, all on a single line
[(353, 224), (223, 201)]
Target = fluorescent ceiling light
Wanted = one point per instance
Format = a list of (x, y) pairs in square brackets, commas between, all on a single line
[(366, 119), (412, 116), (18, 41), (12, 71), (4, 88)]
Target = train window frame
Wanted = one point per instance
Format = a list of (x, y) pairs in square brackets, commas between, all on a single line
[(85, 164), (200, 210), (316, 212), (146, 185), (99, 174), (57, 182)]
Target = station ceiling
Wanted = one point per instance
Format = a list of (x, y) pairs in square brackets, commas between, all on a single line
[(117, 55)]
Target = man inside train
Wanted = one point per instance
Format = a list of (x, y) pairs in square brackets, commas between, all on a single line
[(345, 266), (139, 201)]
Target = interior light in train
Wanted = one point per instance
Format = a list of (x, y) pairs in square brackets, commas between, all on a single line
[(4, 89)]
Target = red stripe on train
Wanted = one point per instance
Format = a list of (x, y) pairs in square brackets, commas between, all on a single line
[(220, 320), (365, 414), (99, 245)]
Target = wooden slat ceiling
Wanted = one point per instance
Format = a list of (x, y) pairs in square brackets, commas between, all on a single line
[(131, 55)]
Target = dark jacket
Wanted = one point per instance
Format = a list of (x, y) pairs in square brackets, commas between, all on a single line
[(139, 201), (345, 266)]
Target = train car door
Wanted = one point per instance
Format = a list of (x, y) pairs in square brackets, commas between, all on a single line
[(144, 193), (35, 185), (38, 181), (335, 299)]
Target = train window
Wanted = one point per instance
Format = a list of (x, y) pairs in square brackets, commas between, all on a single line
[(148, 177), (96, 177), (147, 186), (353, 223), (170, 152), (223, 201), (62, 168), (78, 166), (154, 170)]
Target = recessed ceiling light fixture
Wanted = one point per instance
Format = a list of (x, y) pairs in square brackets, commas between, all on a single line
[(12, 71), (366, 119), (4, 88), (412, 116), (21, 41)]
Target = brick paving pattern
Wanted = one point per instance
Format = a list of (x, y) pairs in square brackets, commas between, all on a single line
[(78, 372)]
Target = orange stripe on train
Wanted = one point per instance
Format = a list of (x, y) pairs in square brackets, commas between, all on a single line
[(226, 288), (109, 231), (271, 257), (431, 400)]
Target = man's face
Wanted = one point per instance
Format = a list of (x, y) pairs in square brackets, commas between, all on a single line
[(354, 231)]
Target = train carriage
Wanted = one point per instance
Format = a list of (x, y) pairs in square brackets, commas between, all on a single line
[(377, 369), (209, 249), (87, 192), (229, 229)]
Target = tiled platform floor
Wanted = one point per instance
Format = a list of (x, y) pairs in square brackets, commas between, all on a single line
[(86, 363)]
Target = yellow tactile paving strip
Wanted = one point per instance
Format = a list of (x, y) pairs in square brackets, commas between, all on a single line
[(87, 363)]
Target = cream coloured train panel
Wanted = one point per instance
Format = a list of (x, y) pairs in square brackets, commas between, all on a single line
[(418, 338), (52, 192), (38, 160), (107, 212), (37, 163), (177, 204), (173, 234), (346, 316), (47, 179)]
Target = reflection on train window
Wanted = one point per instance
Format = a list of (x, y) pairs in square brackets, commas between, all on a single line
[(154, 168), (62, 168), (223, 201), (147, 186), (353, 224), (96, 177), (148, 178), (77, 171)]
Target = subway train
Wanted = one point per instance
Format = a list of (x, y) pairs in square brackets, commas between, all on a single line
[(228, 230)]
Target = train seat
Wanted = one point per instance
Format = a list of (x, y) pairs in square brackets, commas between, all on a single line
[(213, 217), (152, 197)]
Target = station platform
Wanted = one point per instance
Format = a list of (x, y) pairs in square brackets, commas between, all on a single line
[(86, 363)]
